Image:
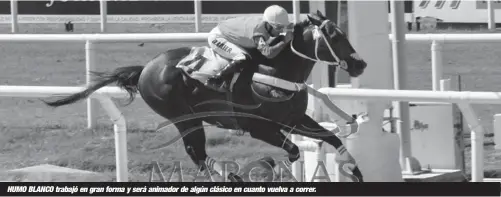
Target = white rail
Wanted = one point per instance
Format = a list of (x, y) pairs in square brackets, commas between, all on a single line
[(48, 91), (453, 38), (414, 95), (437, 40), (106, 38)]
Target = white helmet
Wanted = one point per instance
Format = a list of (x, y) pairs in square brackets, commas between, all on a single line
[(276, 15)]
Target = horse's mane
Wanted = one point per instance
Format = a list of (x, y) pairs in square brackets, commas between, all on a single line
[(301, 26)]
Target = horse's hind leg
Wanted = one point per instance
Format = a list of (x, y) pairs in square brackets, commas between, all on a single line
[(193, 139), (308, 127), (194, 143), (270, 133)]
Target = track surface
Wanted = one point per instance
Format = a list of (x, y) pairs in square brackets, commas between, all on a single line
[(34, 134)]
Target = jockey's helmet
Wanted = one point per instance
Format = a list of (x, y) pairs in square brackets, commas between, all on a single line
[(277, 17)]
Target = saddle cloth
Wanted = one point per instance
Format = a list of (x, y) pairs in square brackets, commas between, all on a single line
[(202, 63)]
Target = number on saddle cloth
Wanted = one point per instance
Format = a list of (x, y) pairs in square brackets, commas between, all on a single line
[(202, 63)]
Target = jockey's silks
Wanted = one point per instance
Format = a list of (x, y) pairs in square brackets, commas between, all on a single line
[(242, 30)]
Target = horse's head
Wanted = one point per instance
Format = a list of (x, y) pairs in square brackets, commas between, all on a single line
[(324, 41)]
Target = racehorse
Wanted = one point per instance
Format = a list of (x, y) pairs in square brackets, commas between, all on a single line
[(274, 89)]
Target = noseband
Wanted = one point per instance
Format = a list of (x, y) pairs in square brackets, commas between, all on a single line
[(317, 34)]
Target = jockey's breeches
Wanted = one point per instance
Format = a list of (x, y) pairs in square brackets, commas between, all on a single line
[(224, 47)]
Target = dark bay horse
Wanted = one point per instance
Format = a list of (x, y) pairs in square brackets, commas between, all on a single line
[(271, 93)]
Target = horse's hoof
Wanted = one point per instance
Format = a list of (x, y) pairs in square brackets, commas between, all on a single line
[(358, 174), (235, 178)]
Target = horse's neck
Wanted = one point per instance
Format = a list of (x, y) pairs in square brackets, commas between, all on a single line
[(291, 67), (294, 69)]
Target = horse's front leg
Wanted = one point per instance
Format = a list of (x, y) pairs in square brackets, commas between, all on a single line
[(308, 127)]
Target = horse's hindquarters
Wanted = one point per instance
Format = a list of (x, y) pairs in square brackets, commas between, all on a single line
[(161, 84)]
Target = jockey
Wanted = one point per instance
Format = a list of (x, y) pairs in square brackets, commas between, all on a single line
[(231, 37)]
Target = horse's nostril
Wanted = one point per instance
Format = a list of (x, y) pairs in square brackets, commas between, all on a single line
[(364, 65)]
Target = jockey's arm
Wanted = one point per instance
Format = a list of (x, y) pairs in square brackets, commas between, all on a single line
[(274, 40), (267, 50)]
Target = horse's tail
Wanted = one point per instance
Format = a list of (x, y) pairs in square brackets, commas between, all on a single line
[(125, 77)]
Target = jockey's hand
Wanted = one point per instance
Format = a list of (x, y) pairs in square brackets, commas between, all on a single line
[(288, 36)]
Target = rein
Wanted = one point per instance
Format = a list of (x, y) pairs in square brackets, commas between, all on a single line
[(296, 87)]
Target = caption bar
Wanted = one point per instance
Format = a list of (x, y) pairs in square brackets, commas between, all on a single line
[(156, 189), (248, 189)]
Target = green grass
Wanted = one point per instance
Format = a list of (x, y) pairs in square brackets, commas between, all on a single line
[(35, 134)]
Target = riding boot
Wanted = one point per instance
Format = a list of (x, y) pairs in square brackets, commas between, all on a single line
[(221, 81)]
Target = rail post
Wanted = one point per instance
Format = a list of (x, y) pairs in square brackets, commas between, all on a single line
[(14, 18), (436, 64), (491, 16), (198, 15), (120, 130), (92, 107), (103, 6), (497, 131), (445, 85), (477, 142)]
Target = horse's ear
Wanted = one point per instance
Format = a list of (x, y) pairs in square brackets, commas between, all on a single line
[(321, 15), (313, 19), (310, 18)]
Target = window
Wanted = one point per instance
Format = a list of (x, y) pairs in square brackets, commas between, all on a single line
[(455, 4), (439, 4), (424, 3)]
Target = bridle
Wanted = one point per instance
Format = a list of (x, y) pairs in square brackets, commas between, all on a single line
[(297, 87), (317, 34)]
